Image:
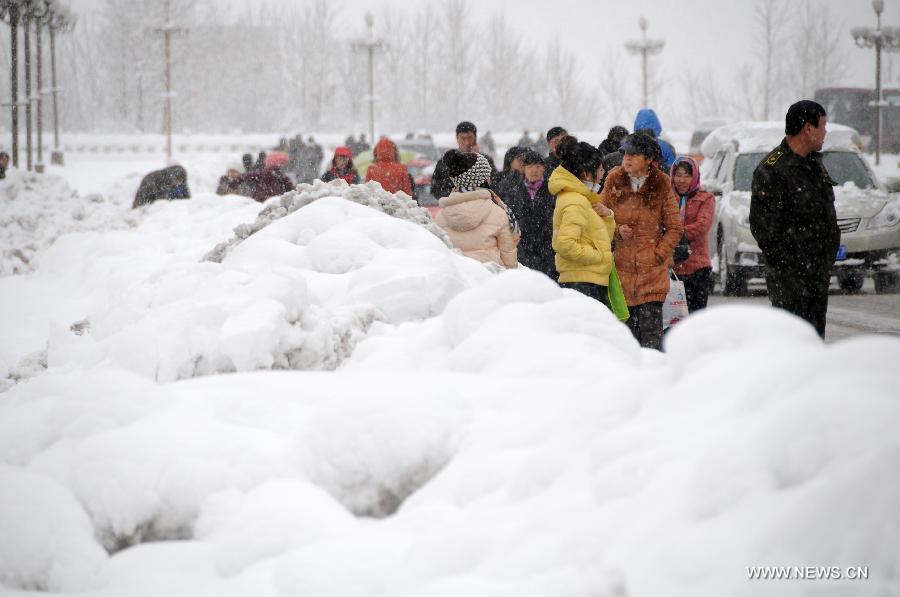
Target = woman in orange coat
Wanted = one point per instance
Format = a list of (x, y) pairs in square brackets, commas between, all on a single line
[(387, 169), (641, 197)]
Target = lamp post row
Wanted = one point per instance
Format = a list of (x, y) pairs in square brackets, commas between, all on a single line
[(56, 18)]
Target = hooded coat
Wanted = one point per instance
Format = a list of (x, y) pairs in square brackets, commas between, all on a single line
[(643, 261), (387, 171), (478, 226), (168, 183), (349, 173), (647, 119), (581, 238), (697, 213)]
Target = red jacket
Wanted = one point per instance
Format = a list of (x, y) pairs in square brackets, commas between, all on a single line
[(698, 218), (386, 170)]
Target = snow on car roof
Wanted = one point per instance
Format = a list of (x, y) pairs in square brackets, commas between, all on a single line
[(764, 136)]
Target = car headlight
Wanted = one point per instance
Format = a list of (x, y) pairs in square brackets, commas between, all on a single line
[(888, 217)]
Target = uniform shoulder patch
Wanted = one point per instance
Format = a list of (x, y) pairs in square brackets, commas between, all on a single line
[(774, 157)]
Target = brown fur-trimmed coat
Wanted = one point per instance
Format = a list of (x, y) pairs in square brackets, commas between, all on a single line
[(643, 262)]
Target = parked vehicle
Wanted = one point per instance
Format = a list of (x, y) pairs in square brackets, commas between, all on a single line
[(868, 211), (422, 171), (701, 132)]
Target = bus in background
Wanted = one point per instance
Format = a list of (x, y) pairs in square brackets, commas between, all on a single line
[(852, 106)]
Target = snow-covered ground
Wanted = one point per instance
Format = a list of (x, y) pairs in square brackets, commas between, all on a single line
[(317, 397)]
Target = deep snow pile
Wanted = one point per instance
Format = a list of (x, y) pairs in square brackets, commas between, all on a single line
[(489, 435), (36, 209)]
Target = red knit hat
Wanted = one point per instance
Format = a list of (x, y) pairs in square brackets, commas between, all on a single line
[(343, 151)]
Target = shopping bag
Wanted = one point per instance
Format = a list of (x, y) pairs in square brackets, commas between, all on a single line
[(616, 297), (675, 307)]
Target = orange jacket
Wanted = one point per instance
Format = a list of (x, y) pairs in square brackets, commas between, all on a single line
[(386, 170), (643, 262)]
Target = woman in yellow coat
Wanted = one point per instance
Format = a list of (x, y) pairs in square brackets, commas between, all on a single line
[(582, 226)]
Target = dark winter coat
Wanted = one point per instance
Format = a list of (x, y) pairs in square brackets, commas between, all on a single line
[(270, 182), (168, 183), (230, 186), (535, 219), (643, 261), (350, 175), (792, 215), (441, 185)]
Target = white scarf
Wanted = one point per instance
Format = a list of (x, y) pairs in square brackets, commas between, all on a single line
[(636, 182)]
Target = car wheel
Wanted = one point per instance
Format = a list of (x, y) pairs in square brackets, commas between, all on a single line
[(850, 282), (731, 279), (887, 282)]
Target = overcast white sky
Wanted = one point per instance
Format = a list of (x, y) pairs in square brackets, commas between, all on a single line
[(717, 34)]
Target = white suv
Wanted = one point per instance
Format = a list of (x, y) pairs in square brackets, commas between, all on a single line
[(868, 212)]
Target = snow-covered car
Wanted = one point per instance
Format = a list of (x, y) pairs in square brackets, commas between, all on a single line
[(868, 211)]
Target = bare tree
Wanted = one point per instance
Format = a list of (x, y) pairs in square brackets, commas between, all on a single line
[(457, 33), (819, 57), (771, 19)]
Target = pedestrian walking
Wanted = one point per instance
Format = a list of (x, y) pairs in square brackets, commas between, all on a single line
[(529, 200), (387, 169), (582, 225), (697, 208), (554, 136), (342, 167), (466, 142), (647, 121), (792, 217), (474, 217), (644, 204)]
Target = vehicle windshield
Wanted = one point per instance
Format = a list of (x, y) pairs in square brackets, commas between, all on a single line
[(843, 166)]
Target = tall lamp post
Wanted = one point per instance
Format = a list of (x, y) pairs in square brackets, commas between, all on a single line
[(370, 44), (167, 31), (60, 20), (882, 39), (645, 47), (10, 11)]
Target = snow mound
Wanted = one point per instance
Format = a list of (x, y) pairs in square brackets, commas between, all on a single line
[(371, 194), (36, 209), (243, 532), (371, 453), (298, 294), (48, 542), (136, 489), (500, 326)]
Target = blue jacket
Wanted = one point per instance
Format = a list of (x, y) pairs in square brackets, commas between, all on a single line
[(647, 119)]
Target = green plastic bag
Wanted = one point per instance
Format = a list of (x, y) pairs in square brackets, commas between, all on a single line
[(617, 302)]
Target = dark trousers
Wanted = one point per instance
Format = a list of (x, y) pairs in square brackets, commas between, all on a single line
[(595, 291), (646, 324), (696, 287), (806, 295)]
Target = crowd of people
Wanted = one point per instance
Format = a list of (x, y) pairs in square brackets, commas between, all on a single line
[(615, 222), (626, 212)]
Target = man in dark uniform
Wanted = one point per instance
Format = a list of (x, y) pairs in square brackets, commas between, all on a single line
[(554, 136), (792, 217), (466, 142)]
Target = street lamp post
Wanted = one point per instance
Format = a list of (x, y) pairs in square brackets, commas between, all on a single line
[(645, 47), (371, 44), (882, 39), (59, 20), (9, 11), (168, 30)]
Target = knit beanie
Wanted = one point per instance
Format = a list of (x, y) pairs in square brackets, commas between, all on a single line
[(468, 171)]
